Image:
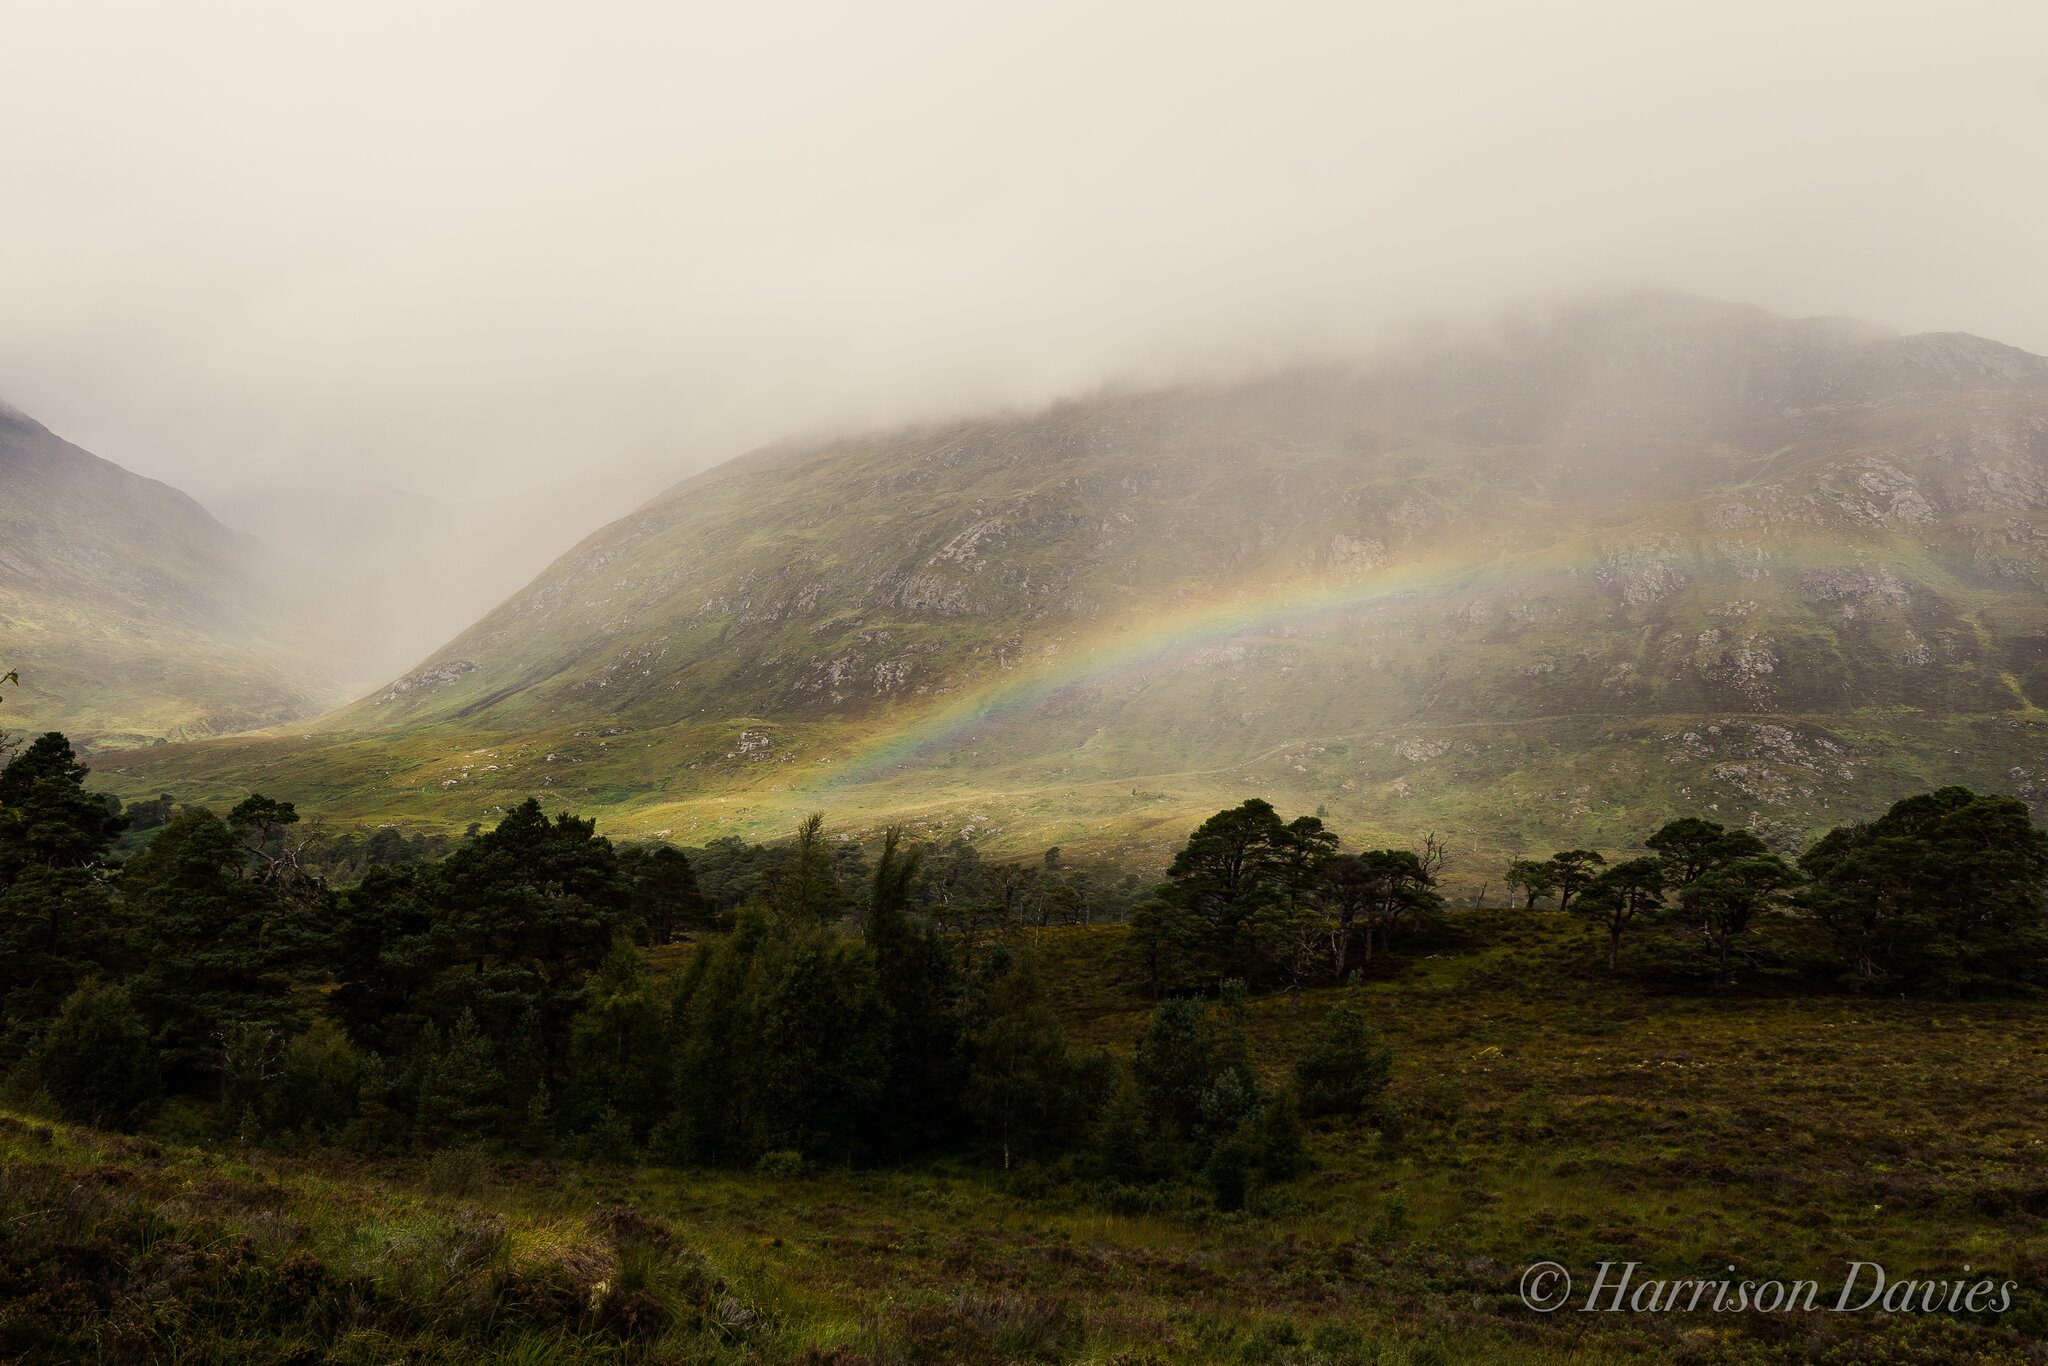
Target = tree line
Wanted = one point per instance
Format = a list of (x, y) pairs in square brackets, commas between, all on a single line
[(1942, 893), (502, 993)]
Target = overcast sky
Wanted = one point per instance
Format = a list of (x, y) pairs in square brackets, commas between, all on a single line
[(478, 246)]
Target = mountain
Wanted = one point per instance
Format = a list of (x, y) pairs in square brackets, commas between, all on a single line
[(132, 614), (1546, 583)]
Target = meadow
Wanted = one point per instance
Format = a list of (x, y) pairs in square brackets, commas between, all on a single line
[(1546, 1111)]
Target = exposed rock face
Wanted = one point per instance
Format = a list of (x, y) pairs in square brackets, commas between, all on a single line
[(433, 676)]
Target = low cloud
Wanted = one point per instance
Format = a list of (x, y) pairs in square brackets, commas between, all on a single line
[(466, 249)]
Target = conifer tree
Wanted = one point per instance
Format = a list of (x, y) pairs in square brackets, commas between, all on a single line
[(58, 923), (920, 1104), (619, 1048), (1021, 1087), (1344, 1068), (205, 937)]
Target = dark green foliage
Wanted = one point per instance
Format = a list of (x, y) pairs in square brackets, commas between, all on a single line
[(1194, 1071), (1344, 1069), (506, 929), (525, 912), (1536, 881), (919, 989), (1691, 847), (806, 885), (46, 815), (386, 947), (210, 943), (619, 1061), (729, 871), (1230, 1164), (1620, 895), (1175, 1061), (1571, 870), (1723, 904), (1375, 896), (1203, 924), (1022, 1088), (460, 1092), (1123, 1132), (1283, 1151), (1942, 891), (821, 1056), (57, 925), (345, 859), (57, 921), (781, 1042), (666, 901), (714, 1046), (96, 1060), (319, 1084), (263, 824), (151, 813), (251, 1056)]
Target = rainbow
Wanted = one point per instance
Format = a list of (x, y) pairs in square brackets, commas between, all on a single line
[(1171, 636)]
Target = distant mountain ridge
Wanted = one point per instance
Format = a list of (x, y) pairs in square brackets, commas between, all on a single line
[(1538, 583), (132, 613)]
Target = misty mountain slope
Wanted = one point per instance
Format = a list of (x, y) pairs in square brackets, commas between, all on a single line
[(1533, 585), (399, 573), (131, 613)]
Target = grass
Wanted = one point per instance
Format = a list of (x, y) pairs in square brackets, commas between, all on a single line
[(1495, 791), (1550, 1113)]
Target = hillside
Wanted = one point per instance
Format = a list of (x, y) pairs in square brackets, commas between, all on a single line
[(1524, 588), (131, 613)]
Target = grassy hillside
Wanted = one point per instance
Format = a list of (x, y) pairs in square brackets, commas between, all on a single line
[(131, 614), (1653, 555), (1550, 1113)]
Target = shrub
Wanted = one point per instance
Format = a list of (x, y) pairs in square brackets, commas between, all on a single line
[(1231, 1163), (1344, 1068), (1281, 1152), (784, 1164), (96, 1059), (318, 1083)]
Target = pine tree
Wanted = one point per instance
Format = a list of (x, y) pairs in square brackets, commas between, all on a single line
[(206, 939), (1021, 1084), (1943, 890), (822, 1048), (921, 1096), (713, 1023), (619, 1048), (1123, 1132), (461, 1093), (1344, 1068), (58, 922), (806, 888)]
